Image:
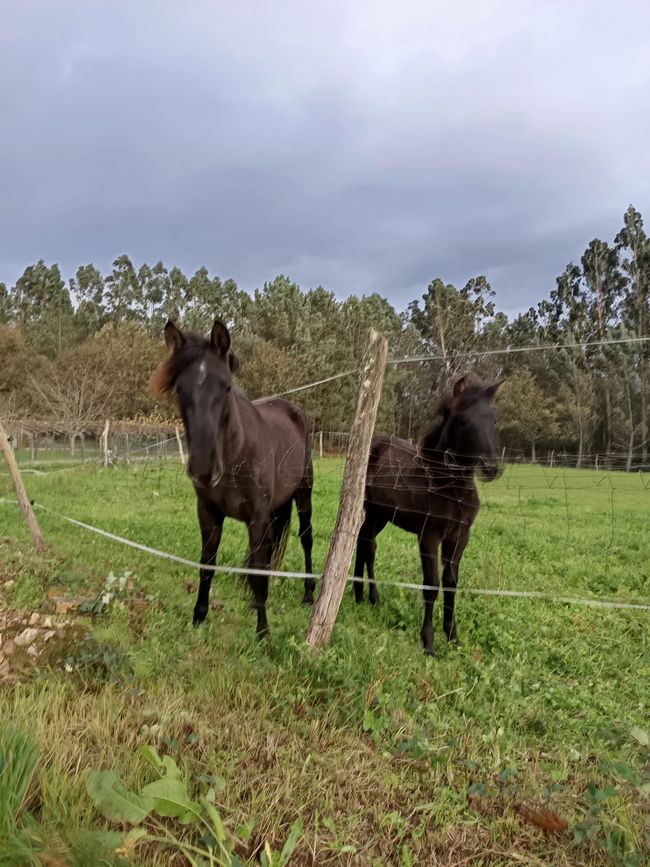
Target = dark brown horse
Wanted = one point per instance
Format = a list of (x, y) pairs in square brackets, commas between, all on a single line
[(429, 490), (246, 462)]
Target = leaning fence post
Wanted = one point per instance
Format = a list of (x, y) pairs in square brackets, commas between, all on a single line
[(350, 513), (21, 494), (180, 444)]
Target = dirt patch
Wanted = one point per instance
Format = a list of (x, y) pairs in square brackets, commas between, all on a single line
[(30, 641)]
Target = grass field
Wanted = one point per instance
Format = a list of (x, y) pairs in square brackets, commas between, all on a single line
[(387, 757)]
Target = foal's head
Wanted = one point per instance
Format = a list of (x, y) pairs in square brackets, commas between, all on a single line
[(199, 371), (467, 433)]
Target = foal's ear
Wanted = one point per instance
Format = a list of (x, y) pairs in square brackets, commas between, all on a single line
[(459, 386), (491, 390), (233, 362), (220, 338), (174, 337)]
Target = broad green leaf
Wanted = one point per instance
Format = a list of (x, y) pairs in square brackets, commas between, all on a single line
[(152, 758), (640, 735), (114, 801), (170, 799), (171, 768)]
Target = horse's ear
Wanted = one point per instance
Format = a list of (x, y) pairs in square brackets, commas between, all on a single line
[(491, 390), (174, 337), (233, 362), (459, 386), (220, 338)]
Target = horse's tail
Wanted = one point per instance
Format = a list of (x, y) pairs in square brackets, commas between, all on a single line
[(280, 530)]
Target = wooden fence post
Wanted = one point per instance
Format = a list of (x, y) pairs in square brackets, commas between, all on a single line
[(320, 443), (180, 444), (104, 441), (21, 494), (32, 451), (350, 513)]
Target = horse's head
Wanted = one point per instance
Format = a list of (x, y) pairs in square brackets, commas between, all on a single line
[(468, 434), (199, 371)]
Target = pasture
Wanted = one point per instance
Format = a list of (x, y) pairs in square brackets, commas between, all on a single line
[(386, 756)]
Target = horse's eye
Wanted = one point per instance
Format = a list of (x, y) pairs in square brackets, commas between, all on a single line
[(228, 387)]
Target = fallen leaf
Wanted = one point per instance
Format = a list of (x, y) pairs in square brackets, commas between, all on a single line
[(216, 605), (543, 818), (640, 735), (189, 586)]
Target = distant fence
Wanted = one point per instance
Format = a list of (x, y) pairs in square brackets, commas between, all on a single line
[(46, 442)]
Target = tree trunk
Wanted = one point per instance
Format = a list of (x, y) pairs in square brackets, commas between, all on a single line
[(350, 513)]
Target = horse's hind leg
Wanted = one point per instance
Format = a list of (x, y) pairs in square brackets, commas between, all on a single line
[(303, 505), (452, 551)]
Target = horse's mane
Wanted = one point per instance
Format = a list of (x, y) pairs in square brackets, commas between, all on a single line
[(472, 391), (164, 376)]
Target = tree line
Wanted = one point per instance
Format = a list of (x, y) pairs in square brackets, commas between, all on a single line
[(81, 351)]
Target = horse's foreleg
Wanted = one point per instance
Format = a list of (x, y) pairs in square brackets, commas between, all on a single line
[(429, 558), (259, 557), (452, 551), (303, 504), (211, 523)]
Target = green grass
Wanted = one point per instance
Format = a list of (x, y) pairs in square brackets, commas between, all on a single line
[(388, 757)]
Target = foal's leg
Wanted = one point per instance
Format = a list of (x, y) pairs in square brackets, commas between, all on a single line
[(211, 522), (365, 540), (429, 558), (303, 504), (373, 593), (452, 551), (259, 557)]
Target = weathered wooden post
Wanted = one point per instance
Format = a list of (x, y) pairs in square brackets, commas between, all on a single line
[(350, 513), (180, 444), (32, 450), (320, 443), (104, 441), (21, 493)]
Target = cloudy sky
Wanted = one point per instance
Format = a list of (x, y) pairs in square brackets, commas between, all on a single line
[(359, 144)]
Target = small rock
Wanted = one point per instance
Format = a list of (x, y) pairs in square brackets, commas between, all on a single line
[(34, 619), (8, 648), (4, 668), (9, 583), (31, 650), (47, 622), (25, 637), (47, 635)]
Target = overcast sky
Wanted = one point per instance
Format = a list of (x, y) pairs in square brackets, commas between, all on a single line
[(358, 144)]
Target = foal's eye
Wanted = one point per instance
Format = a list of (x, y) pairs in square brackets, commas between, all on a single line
[(229, 388)]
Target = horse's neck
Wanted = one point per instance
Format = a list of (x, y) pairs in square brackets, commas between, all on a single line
[(235, 432)]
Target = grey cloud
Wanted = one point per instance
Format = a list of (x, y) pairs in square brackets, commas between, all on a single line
[(364, 147)]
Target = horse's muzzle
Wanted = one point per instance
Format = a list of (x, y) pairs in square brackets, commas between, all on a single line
[(490, 470)]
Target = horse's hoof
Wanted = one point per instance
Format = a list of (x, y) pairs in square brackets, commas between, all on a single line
[(199, 617), (429, 651), (374, 600), (307, 601)]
